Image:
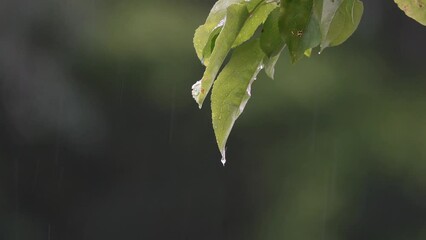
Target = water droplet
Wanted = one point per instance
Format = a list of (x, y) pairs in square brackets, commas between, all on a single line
[(223, 160), (319, 52), (221, 23), (196, 89)]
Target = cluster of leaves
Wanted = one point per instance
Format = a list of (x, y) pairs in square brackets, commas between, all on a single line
[(293, 26)]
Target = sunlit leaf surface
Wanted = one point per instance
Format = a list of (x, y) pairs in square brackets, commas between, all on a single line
[(235, 18), (232, 90), (415, 9), (216, 18), (255, 19)]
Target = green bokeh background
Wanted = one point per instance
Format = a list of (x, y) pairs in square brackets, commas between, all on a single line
[(101, 139)]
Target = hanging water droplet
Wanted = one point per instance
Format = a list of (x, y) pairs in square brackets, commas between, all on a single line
[(223, 160), (319, 52), (196, 89)]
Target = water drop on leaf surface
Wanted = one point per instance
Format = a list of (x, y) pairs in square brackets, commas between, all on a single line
[(196, 90)]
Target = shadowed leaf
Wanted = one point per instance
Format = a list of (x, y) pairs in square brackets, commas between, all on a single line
[(270, 39), (339, 20), (298, 27)]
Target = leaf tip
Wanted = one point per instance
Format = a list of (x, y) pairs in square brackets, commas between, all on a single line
[(308, 52)]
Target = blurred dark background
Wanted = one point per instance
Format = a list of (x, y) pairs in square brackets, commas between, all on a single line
[(100, 138)]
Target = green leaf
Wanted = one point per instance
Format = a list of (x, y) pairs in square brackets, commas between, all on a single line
[(317, 9), (235, 18), (308, 52), (232, 90), (298, 27), (252, 4), (271, 42), (208, 49), (270, 39), (415, 9), (339, 20), (215, 19), (269, 63), (257, 17)]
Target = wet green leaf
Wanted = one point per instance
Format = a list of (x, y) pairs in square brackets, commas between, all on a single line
[(339, 20), (255, 19), (235, 18), (298, 27), (232, 90), (216, 19), (415, 9)]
